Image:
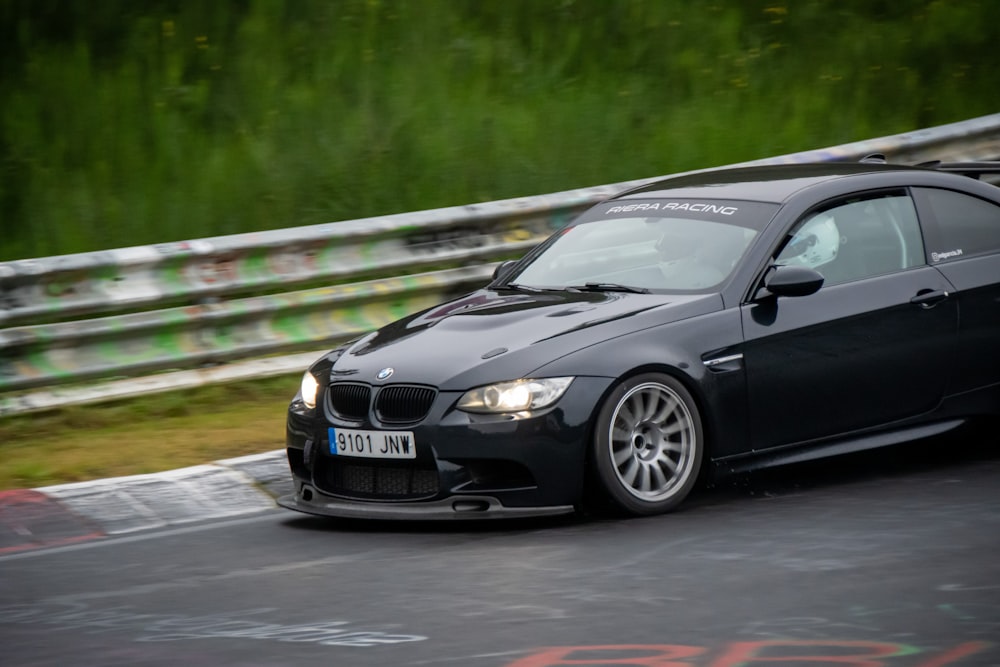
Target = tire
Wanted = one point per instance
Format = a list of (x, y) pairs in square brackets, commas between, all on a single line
[(648, 444)]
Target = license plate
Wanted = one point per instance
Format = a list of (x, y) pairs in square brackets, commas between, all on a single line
[(372, 444)]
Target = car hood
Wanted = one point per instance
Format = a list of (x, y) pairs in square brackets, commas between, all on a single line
[(489, 336)]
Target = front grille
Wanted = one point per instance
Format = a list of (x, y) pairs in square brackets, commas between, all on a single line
[(397, 404), (394, 403), (376, 482), (349, 400)]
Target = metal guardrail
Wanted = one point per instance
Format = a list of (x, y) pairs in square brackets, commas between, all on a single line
[(225, 300)]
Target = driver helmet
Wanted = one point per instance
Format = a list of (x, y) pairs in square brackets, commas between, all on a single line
[(814, 244)]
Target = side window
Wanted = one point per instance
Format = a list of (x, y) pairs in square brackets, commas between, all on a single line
[(962, 225), (857, 238)]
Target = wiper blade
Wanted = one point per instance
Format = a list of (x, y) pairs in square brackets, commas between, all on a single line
[(609, 287), (519, 288)]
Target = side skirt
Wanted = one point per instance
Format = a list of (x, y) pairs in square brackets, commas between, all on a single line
[(820, 449)]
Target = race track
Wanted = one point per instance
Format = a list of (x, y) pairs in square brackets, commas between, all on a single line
[(887, 558)]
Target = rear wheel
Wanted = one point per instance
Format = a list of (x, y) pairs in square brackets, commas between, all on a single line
[(648, 444)]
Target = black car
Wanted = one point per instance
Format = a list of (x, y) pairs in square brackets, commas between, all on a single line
[(730, 319)]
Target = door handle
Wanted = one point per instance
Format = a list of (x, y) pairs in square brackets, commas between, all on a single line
[(929, 298)]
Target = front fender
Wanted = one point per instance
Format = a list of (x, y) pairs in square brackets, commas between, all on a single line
[(680, 349)]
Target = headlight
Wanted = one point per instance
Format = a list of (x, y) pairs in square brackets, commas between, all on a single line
[(308, 389), (514, 396)]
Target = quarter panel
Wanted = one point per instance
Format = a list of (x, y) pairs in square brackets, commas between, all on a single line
[(977, 351)]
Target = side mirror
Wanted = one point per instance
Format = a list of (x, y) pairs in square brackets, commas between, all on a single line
[(503, 267), (793, 281)]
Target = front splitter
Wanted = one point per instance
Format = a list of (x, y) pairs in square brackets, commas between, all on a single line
[(452, 508)]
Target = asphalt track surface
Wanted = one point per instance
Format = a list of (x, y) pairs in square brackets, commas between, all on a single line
[(887, 558)]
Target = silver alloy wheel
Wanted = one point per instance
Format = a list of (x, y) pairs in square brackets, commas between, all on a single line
[(653, 441)]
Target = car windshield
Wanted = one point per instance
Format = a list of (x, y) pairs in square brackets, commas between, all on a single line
[(667, 252)]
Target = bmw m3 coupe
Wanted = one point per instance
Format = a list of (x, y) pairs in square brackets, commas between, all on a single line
[(717, 321)]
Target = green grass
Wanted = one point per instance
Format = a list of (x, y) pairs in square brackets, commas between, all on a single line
[(129, 123), (143, 435)]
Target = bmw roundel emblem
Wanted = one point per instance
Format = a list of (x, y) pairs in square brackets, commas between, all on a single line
[(384, 373)]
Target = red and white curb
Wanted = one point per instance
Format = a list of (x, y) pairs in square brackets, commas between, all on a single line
[(69, 513)]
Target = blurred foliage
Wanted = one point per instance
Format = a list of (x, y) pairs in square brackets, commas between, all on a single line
[(128, 123)]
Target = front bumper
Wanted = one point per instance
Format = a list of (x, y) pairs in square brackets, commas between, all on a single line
[(467, 466)]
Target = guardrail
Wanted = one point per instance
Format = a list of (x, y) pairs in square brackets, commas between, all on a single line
[(212, 304)]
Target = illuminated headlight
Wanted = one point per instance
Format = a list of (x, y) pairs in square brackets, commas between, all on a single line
[(514, 396), (308, 389)]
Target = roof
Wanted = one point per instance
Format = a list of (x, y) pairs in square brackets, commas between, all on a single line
[(771, 183)]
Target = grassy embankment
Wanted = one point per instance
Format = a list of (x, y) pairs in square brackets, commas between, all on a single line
[(126, 124), (146, 434)]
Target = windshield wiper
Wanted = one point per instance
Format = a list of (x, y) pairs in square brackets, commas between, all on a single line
[(519, 288), (608, 287)]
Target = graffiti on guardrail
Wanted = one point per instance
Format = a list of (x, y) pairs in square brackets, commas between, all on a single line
[(498, 233), (210, 270), (219, 332), (72, 318), (459, 238)]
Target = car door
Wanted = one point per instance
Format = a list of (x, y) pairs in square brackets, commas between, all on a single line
[(872, 346)]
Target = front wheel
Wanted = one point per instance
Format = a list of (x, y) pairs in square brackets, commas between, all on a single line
[(648, 444)]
